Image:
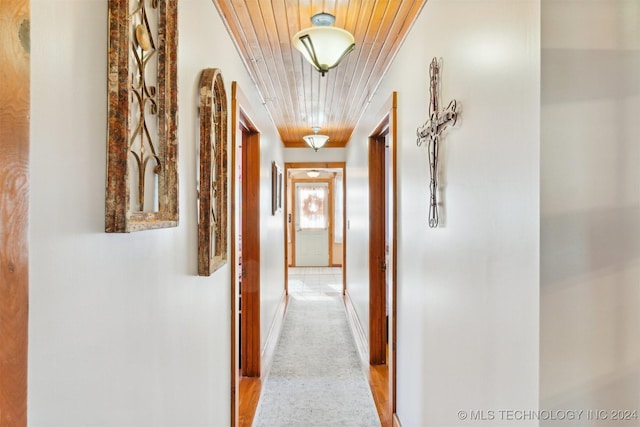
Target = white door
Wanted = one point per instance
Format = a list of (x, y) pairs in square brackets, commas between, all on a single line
[(312, 224)]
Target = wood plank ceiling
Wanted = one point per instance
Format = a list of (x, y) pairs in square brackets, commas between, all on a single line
[(294, 93)]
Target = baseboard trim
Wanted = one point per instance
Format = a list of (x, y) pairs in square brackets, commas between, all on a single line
[(356, 328), (396, 421), (274, 333)]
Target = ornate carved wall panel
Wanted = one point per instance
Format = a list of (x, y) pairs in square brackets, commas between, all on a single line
[(212, 209), (142, 174)]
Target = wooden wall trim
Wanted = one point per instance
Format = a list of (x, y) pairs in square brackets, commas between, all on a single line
[(14, 209), (344, 230), (331, 220), (243, 133), (388, 115), (250, 324), (377, 259), (235, 379), (316, 165), (393, 141)]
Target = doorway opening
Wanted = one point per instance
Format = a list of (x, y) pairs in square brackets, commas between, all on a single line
[(382, 251), (245, 249), (315, 216)]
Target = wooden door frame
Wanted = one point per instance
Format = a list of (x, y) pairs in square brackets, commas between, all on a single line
[(240, 119), (329, 183), (316, 165), (14, 210), (387, 125), (250, 226), (377, 246)]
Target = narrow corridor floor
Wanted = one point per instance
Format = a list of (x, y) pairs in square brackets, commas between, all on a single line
[(316, 377), (304, 281)]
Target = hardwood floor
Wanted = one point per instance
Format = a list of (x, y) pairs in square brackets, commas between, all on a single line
[(378, 376), (248, 396), (249, 388)]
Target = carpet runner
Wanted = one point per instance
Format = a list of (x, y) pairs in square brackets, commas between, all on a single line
[(316, 378)]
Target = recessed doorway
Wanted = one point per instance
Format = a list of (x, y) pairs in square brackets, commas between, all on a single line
[(382, 250), (245, 249), (315, 216)]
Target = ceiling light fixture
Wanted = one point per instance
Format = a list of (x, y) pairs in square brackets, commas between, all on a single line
[(322, 45), (313, 174), (315, 141)]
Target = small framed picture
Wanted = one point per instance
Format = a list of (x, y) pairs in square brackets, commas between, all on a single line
[(276, 188)]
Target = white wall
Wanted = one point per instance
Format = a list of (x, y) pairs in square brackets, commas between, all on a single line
[(122, 331), (467, 291), (293, 155), (590, 207)]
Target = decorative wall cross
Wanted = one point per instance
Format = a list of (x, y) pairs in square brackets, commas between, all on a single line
[(430, 134)]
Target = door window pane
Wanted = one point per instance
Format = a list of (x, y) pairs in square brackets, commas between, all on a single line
[(313, 207)]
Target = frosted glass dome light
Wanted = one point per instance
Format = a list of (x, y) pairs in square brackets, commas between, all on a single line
[(315, 141), (323, 45)]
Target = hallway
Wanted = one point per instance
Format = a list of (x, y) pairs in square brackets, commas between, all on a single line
[(525, 296), (317, 375)]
